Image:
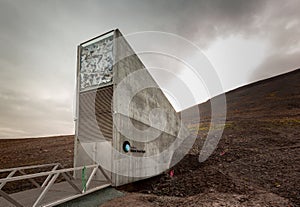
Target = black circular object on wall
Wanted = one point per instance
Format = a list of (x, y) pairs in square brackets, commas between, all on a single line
[(126, 146)]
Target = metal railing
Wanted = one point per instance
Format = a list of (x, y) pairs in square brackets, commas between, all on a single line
[(52, 176)]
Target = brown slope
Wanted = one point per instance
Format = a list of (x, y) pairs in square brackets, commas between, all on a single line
[(258, 152), (34, 151), (275, 96)]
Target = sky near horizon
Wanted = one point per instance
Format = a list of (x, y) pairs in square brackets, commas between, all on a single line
[(245, 41)]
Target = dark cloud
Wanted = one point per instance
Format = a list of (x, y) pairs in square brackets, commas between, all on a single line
[(202, 21), (281, 27), (38, 42)]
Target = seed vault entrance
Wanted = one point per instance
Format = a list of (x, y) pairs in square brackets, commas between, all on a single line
[(132, 131)]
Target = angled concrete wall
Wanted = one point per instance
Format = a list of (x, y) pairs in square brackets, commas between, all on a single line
[(149, 111), (141, 115)]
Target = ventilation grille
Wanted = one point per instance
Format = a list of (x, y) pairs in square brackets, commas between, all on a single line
[(95, 115)]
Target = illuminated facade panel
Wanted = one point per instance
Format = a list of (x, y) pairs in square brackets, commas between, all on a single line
[(96, 64)]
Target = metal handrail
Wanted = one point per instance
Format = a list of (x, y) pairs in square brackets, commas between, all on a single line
[(52, 176), (28, 167), (35, 175)]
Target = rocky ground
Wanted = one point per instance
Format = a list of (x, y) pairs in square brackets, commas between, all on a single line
[(256, 163)]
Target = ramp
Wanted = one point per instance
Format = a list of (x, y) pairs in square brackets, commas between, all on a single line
[(50, 193)]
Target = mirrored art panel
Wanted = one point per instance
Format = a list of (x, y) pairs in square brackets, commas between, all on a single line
[(96, 64)]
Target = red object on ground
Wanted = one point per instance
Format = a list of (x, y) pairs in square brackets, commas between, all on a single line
[(172, 173)]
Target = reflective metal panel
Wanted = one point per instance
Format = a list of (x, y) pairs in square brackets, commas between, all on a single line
[(96, 63)]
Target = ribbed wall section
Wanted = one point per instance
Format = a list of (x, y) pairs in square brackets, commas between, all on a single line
[(95, 115)]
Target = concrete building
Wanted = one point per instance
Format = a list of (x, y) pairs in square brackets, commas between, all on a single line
[(124, 121)]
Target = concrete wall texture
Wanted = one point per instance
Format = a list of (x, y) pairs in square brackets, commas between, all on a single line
[(142, 116)]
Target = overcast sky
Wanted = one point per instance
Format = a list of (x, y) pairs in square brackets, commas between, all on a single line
[(244, 40)]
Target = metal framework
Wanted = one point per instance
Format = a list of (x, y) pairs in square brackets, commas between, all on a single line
[(52, 176)]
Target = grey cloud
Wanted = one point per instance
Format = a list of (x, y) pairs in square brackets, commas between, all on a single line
[(276, 64), (274, 21), (281, 26), (202, 21), (38, 42), (32, 115)]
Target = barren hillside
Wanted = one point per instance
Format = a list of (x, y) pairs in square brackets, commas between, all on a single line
[(257, 161)]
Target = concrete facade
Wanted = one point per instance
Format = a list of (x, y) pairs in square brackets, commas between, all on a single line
[(141, 116)]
